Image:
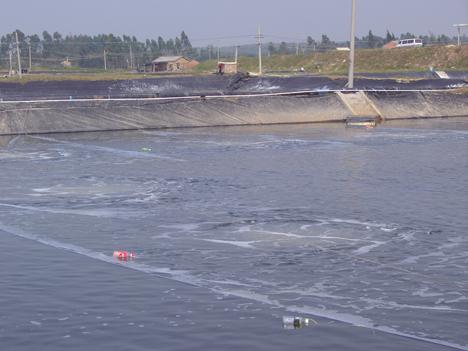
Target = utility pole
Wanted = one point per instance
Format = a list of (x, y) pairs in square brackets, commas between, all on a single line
[(459, 28), (352, 44), (30, 59), (259, 37), (131, 57), (297, 49), (10, 54), (236, 54), (18, 55), (105, 60)]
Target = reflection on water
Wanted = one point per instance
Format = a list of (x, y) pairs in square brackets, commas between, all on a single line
[(362, 227)]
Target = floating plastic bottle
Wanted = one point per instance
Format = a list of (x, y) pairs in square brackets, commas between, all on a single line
[(146, 149), (124, 255), (296, 322)]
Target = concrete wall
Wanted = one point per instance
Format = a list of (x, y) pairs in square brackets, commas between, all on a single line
[(101, 115)]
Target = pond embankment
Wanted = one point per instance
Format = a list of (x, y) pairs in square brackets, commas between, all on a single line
[(71, 106)]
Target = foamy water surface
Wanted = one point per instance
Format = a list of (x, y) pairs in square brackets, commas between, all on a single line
[(363, 230)]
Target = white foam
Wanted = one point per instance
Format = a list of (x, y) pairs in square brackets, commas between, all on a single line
[(161, 272), (13, 141), (314, 292), (42, 190), (337, 316), (128, 153), (414, 259), (408, 236), (458, 299), (423, 293), (184, 277), (325, 88), (264, 86), (183, 227), (243, 244), (395, 305), (228, 282), (27, 155), (367, 248), (381, 226), (324, 237), (98, 212)]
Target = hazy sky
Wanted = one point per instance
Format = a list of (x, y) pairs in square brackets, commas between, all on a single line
[(205, 19)]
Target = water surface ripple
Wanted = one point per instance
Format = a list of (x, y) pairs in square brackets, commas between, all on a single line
[(364, 230)]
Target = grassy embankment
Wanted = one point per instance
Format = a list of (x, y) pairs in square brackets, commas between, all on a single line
[(325, 63), (367, 60), (78, 75)]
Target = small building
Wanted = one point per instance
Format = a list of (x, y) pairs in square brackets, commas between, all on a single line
[(66, 63), (227, 67), (171, 64)]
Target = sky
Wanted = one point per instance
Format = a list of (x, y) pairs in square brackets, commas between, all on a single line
[(231, 22)]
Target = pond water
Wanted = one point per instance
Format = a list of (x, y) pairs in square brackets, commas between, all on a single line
[(363, 230)]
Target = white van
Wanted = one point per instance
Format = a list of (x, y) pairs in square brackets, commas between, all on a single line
[(405, 43)]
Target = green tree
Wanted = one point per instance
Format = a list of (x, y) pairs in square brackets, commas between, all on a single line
[(407, 35), (47, 44), (86, 51), (371, 42), (325, 40), (185, 44), (57, 36), (170, 47), (271, 48), (443, 39), (178, 46), (283, 48), (35, 43), (161, 45), (390, 36)]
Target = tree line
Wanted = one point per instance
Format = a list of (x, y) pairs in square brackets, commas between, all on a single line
[(127, 52), (122, 52), (369, 41)]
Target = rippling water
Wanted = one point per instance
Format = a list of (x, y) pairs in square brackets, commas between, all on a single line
[(365, 231)]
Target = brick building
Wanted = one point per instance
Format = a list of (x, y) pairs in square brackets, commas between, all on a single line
[(171, 64)]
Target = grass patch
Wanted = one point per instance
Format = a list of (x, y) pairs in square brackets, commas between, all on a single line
[(366, 60), (86, 76)]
